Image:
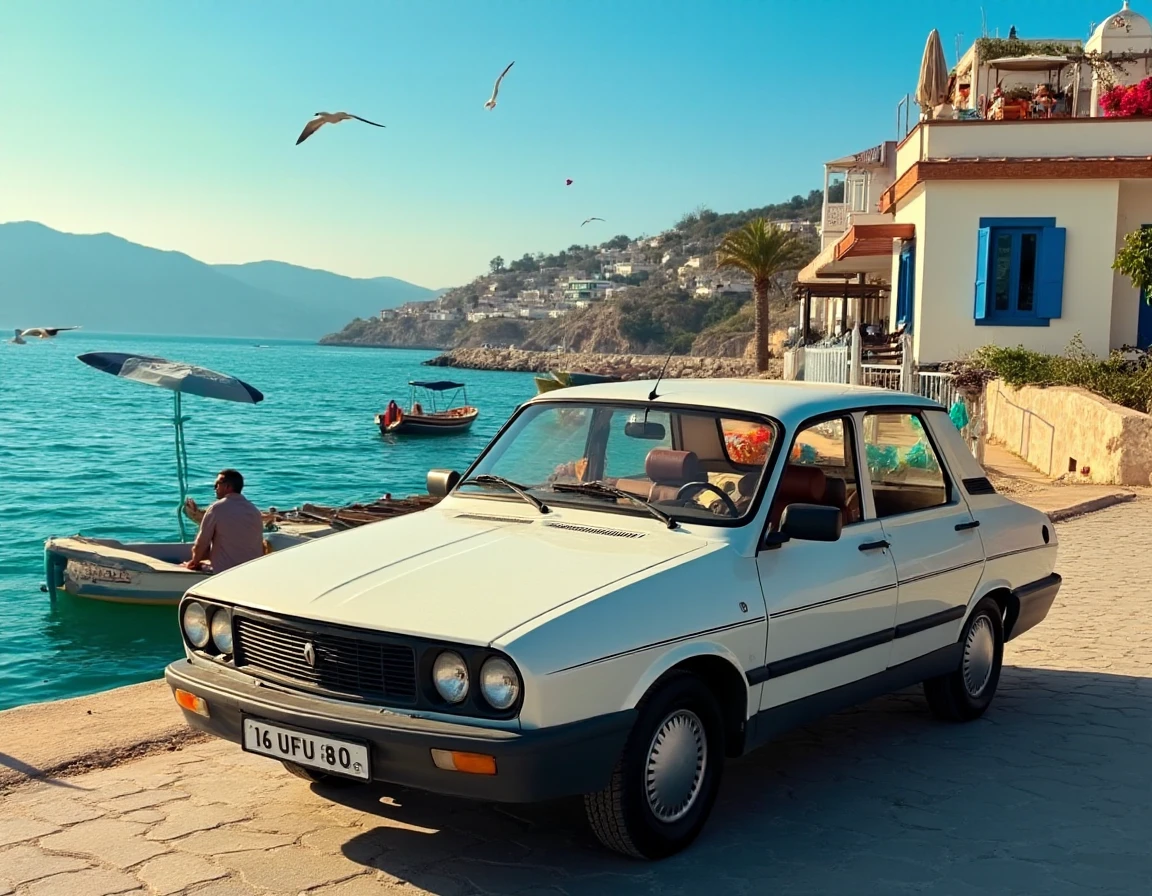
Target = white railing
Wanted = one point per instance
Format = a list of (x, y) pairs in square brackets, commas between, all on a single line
[(826, 365), (794, 363), (937, 386), (836, 216), (883, 376)]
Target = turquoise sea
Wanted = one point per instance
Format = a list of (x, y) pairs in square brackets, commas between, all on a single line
[(84, 452)]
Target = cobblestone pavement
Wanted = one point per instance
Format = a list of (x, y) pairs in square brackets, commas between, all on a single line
[(1048, 794)]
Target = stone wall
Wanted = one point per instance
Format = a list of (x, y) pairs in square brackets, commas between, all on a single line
[(628, 367), (1050, 427)]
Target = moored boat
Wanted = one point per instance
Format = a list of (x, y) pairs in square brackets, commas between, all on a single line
[(453, 417), (561, 379)]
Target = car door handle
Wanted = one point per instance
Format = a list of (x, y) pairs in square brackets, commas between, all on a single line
[(960, 527), (874, 545)]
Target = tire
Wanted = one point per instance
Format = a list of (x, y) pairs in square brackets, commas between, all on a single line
[(964, 694), (312, 776), (678, 719)]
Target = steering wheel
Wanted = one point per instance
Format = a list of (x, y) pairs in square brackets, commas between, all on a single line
[(692, 487)]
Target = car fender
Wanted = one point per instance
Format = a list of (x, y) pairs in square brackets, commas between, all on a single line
[(675, 655)]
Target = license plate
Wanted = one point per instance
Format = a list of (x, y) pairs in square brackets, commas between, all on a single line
[(318, 751)]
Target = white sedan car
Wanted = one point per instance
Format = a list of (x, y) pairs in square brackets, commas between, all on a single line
[(631, 584)]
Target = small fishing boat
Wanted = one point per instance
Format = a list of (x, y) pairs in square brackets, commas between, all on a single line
[(150, 573), (560, 379), (450, 413)]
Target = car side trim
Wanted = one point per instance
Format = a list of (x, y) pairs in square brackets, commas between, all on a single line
[(1035, 547), (942, 572), (664, 643), (791, 611), (801, 661), (768, 723)]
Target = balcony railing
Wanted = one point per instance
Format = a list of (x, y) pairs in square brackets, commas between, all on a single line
[(836, 216)]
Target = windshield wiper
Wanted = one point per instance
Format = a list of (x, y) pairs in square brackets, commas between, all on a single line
[(599, 488), (521, 490)]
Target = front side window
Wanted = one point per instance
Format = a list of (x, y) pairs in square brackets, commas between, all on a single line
[(903, 467), (691, 465), (821, 469)]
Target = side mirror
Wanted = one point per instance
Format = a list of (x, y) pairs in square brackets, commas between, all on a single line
[(807, 522), (440, 482)]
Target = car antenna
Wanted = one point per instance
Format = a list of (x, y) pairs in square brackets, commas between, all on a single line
[(652, 394)]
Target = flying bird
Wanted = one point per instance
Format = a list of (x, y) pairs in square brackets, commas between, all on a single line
[(38, 333), (491, 104), (586, 220), (323, 118), (567, 181)]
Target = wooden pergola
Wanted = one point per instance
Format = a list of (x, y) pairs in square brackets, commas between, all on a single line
[(873, 293)]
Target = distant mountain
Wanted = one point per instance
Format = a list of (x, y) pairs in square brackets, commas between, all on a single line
[(357, 297), (104, 282)]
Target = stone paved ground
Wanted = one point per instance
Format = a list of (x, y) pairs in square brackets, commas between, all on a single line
[(1050, 793)]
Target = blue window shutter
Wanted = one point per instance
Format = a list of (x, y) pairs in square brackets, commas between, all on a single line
[(1050, 273), (983, 242)]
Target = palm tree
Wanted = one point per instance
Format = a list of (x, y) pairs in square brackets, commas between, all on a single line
[(760, 250)]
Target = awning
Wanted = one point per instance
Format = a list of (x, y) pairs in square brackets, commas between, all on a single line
[(865, 240), (864, 249), (435, 385)]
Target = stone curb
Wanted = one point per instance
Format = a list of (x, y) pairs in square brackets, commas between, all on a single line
[(1064, 513)]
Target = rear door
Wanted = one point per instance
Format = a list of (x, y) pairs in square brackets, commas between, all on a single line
[(930, 531)]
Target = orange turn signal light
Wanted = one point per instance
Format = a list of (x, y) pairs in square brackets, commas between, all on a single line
[(472, 763), (192, 703)]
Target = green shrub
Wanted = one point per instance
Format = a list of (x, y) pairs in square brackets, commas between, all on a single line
[(1118, 378)]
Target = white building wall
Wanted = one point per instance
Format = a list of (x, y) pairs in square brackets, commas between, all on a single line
[(947, 217), (1134, 211)]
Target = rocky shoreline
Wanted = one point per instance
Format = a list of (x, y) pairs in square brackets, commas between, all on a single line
[(626, 367)]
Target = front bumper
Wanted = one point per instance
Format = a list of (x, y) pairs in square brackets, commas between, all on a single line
[(1033, 601), (531, 765)]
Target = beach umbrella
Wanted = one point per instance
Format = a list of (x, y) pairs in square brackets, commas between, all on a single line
[(180, 379), (932, 88)]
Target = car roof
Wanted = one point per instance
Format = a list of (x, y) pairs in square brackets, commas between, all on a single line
[(787, 400)]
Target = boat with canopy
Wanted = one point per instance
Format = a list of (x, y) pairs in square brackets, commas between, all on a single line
[(450, 411)]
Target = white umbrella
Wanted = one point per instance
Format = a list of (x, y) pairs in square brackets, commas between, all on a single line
[(179, 378), (932, 88)]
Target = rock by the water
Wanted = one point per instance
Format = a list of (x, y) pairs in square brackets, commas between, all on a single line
[(625, 367)]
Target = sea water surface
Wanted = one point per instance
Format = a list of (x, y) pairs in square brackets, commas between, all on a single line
[(83, 452)]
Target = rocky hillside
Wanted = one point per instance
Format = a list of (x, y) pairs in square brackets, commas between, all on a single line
[(625, 366), (673, 300)]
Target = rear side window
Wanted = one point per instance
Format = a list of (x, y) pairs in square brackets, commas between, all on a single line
[(904, 469)]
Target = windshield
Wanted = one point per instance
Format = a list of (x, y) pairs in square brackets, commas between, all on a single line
[(690, 465)]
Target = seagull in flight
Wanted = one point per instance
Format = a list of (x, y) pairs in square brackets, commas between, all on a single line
[(323, 118), (38, 333), (586, 220), (491, 104)]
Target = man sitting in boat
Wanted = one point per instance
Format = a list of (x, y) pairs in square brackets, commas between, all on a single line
[(231, 532)]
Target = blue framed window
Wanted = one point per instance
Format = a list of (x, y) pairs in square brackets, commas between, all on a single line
[(906, 286), (1019, 271)]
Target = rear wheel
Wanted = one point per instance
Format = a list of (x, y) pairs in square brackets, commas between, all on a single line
[(667, 777), (964, 694)]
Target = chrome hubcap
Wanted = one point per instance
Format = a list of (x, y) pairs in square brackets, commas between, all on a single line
[(979, 654), (677, 758)]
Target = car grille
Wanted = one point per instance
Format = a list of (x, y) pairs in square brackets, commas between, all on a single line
[(369, 669)]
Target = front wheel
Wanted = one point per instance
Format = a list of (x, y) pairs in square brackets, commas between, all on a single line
[(668, 775), (964, 694)]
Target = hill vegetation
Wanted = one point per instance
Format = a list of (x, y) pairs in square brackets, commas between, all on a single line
[(650, 310)]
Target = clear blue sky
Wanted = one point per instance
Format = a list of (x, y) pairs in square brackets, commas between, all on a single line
[(173, 123)]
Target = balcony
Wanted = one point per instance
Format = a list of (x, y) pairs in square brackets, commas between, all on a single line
[(1043, 138)]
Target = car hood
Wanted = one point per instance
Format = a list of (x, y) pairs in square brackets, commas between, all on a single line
[(452, 575)]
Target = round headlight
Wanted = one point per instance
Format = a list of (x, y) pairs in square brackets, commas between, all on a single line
[(450, 675), (222, 631), (499, 683), (196, 624)]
